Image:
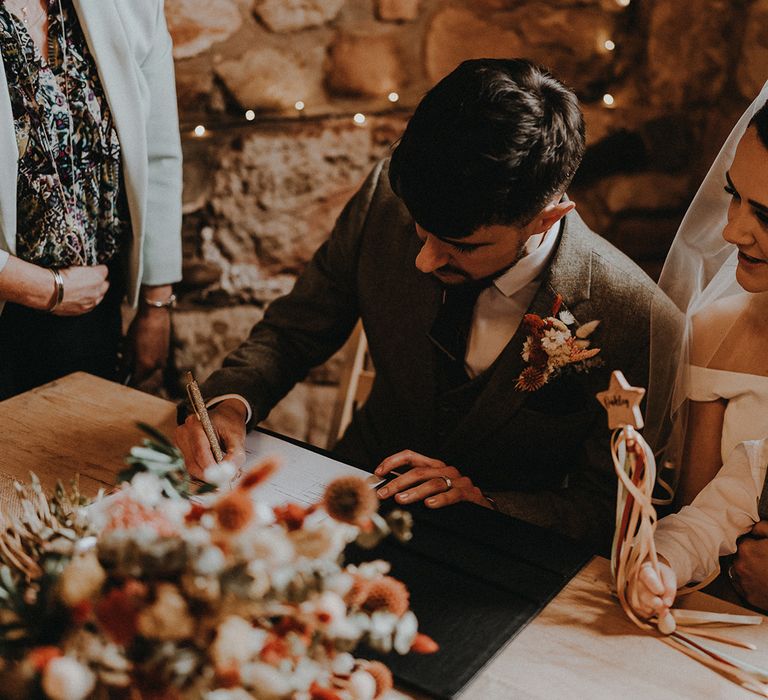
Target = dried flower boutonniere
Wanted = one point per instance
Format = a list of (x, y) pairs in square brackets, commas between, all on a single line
[(551, 347)]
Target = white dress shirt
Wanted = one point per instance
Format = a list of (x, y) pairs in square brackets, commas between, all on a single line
[(500, 308)]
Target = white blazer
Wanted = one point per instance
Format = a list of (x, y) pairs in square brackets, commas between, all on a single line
[(130, 43)]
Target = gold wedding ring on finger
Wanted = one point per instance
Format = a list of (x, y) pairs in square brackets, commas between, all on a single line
[(448, 483)]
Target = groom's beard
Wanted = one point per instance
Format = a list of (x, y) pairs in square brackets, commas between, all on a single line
[(486, 281)]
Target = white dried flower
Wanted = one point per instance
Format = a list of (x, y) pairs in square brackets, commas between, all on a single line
[(566, 317), (362, 686), (210, 561), (267, 682), (405, 632), (343, 664), (168, 618), (527, 345), (220, 474), (372, 569), (237, 641), (270, 545), (228, 694), (81, 579), (147, 488), (66, 678)]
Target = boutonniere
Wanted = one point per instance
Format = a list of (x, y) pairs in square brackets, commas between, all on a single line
[(551, 347)]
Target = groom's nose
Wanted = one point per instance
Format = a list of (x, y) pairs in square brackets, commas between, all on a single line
[(433, 255)]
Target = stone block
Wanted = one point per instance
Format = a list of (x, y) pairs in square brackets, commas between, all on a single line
[(363, 66), (646, 191), (752, 71), (566, 39), (196, 25), (265, 79), (294, 15), (203, 337), (688, 52), (646, 238), (397, 10)]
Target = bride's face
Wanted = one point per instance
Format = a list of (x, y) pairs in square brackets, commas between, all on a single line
[(747, 225)]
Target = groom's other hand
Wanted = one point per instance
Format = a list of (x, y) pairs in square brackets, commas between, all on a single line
[(429, 480), (750, 567), (228, 419)]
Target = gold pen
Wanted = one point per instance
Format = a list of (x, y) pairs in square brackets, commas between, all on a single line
[(196, 399)]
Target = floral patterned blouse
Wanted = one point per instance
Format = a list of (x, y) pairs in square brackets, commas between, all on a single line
[(71, 205)]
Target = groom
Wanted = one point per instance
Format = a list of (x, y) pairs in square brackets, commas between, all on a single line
[(441, 252)]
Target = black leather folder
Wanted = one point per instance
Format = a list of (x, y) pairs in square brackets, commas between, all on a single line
[(476, 579)]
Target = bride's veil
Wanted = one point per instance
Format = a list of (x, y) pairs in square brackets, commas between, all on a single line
[(700, 269)]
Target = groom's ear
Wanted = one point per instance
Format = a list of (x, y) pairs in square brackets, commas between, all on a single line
[(549, 216)]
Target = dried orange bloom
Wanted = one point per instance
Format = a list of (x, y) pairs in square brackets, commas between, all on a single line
[(424, 644), (531, 379), (258, 475), (234, 511), (382, 675), (350, 500), (387, 593)]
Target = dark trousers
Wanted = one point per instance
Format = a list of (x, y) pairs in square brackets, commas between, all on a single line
[(38, 347)]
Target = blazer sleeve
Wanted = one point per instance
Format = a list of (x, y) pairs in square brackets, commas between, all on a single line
[(305, 327), (162, 236)]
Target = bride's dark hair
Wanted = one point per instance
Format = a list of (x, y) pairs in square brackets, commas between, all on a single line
[(760, 122)]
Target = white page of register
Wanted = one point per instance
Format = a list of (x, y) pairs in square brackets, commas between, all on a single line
[(302, 475)]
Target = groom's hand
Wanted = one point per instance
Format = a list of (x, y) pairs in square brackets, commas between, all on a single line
[(228, 419), (750, 567), (429, 480)]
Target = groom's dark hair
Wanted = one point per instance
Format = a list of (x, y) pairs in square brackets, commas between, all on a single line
[(760, 122), (492, 143)]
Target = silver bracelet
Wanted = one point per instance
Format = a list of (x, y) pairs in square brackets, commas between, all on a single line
[(169, 303), (59, 295)]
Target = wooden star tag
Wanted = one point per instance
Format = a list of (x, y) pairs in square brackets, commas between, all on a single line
[(622, 402)]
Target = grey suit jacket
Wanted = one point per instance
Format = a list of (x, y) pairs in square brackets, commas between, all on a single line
[(544, 456)]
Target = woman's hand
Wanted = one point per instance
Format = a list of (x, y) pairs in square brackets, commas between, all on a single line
[(429, 480), (652, 594), (84, 288), (34, 286)]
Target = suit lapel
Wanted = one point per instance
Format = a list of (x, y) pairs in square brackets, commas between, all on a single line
[(106, 38), (569, 274)]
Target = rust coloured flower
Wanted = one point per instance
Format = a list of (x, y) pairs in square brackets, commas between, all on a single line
[(531, 379), (387, 593), (381, 674), (350, 499), (234, 511)]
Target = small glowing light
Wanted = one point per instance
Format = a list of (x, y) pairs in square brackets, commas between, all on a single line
[(393, 97), (608, 100), (250, 115), (609, 45), (200, 130), (623, 3), (359, 119), (299, 105)]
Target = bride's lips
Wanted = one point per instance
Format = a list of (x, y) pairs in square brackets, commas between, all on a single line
[(750, 261)]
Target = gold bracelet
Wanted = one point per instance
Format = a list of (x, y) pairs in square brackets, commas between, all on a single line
[(58, 297)]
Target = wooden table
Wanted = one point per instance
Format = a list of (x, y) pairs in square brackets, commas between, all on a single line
[(580, 646)]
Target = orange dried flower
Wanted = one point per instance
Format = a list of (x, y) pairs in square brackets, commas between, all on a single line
[(234, 511), (350, 499), (423, 644), (317, 692), (258, 475), (530, 379), (577, 355), (357, 592), (195, 513), (118, 611), (557, 304), (382, 675), (81, 612), (40, 657), (126, 513), (533, 323), (291, 515), (387, 593), (274, 650), (228, 677)]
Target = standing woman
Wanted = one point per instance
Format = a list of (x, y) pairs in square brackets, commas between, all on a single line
[(90, 187)]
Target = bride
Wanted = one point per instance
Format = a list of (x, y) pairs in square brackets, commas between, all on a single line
[(717, 272)]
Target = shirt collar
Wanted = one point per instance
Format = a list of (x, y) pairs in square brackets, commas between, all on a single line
[(537, 251)]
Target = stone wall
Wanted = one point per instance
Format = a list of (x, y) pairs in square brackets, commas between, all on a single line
[(286, 104)]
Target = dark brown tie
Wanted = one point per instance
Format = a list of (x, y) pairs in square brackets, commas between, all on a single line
[(450, 330)]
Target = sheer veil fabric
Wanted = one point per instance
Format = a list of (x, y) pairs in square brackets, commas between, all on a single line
[(699, 272)]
